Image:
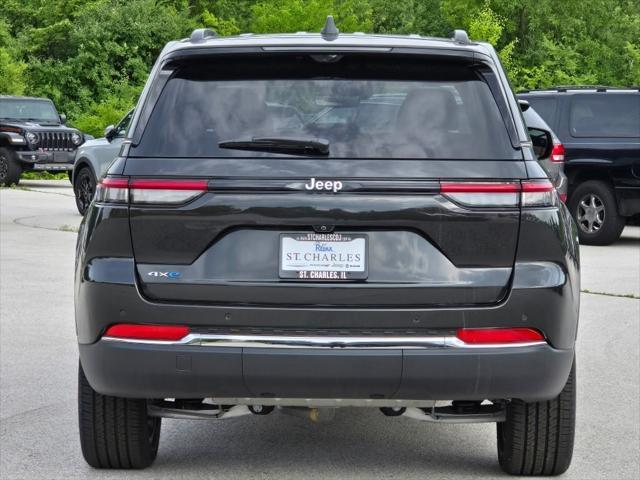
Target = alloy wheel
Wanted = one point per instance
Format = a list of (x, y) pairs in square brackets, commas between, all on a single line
[(591, 213), (85, 190)]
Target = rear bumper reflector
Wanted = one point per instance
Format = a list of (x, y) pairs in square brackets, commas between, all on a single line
[(475, 338), (162, 333)]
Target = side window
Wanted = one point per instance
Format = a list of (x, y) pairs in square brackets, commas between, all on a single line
[(121, 129), (547, 108), (605, 115)]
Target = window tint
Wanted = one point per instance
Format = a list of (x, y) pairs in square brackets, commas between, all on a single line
[(606, 115), (360, 117), (546, 107)]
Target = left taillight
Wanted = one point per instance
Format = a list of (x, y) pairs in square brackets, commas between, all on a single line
[(113, 190), (149, 190)]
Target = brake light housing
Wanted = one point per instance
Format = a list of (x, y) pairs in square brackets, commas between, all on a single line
[(113, 190), (557, 154), (528, 193), (121, 190)]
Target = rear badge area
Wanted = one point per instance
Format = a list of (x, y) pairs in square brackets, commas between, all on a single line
[(323, 256)]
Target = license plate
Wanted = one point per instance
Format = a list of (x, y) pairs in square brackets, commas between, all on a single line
[(53, 166), (323, 256)]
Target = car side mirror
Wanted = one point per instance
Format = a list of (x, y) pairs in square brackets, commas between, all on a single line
[(63, 118), (109, 132), (524, 105), (542, 142)]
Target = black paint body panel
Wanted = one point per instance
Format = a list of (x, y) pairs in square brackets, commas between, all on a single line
[(435, 265)]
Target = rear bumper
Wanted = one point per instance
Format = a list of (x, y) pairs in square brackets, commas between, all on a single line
[(137, 370)]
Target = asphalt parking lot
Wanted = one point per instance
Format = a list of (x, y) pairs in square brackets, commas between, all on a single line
[(38, 368)]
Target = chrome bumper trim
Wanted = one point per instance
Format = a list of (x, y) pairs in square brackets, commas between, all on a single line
[(323, 402), (273, 341)]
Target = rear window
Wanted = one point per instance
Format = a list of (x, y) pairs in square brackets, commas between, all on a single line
[(394, 111), (606, 115), (546, 107)]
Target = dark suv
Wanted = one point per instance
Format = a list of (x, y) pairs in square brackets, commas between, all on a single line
[(34, 137), (241, 257), (600, 130)]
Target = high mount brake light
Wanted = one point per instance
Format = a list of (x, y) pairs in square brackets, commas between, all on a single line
[(167, 333), (529, 193), (488, 336), (149, 190)]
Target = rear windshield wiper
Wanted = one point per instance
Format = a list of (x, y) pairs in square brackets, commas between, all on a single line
[(299, 145)]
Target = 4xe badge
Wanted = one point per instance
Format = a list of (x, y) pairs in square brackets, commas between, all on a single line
[(164, 274)]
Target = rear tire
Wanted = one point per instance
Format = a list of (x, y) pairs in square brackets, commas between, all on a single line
[(84, 187), (115, 432), (593, 206), (537, 437), (10, 168)]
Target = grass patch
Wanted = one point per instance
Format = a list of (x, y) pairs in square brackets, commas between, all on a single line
[(68, 228), (606, 294), (45, 176)]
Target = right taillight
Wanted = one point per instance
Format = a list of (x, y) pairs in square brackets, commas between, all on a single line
[(557, 154), (528, 193), (538, 193)]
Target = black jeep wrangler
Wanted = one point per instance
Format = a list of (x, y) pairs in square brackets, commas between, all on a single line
[(33, 136), (600, 130), (406, 252)]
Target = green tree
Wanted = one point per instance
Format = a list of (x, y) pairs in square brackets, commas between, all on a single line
[(11, 68), (310, 15), (109, 43)]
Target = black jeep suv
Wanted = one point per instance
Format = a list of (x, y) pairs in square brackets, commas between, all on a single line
[(600, 130), (241, 257), (33, 136)]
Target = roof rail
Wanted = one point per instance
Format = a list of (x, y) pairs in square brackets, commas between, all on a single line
[(201, 34), (329, 31), (566, 88), (461, 37)]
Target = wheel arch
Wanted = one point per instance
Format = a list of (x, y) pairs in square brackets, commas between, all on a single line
[(585, 173), (82, 162)]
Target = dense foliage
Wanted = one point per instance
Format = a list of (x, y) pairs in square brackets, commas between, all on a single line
[(92, 56)]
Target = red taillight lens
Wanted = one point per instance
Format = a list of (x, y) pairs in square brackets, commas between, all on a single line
[(155, 191), (538, 193), (154, 184), (113, 190), (529, 193), (482, 194), (485, 336), (169, 333), (149, 190), (557, 154)]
